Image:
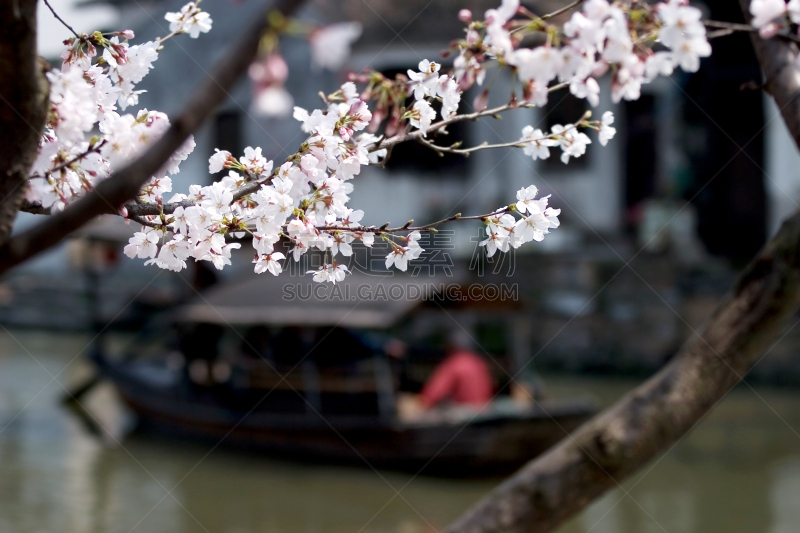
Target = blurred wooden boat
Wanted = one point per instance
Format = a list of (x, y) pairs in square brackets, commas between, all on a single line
[(309, 380)]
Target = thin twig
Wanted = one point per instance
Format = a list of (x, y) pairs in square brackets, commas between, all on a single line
[(466, 151), (486, 146), (414, 135), (68, 163), (53, 11), (409, 228), (728, 28), (564, 9), (144, 222)]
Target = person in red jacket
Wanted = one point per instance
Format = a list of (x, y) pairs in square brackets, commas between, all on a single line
[(463, 378)]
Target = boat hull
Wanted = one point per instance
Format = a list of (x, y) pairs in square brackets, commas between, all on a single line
[(471, 445)]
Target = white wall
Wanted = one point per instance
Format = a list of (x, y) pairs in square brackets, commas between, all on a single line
[(781, 168)]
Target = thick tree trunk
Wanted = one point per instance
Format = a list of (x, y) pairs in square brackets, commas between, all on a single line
[(23, 105), (621, 439)]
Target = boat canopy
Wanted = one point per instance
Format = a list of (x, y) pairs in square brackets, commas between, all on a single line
[(361, 300)]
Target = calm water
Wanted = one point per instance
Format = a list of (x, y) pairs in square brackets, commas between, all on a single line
[(738, 472)]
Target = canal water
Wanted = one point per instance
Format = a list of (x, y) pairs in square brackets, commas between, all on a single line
[(738, 472)]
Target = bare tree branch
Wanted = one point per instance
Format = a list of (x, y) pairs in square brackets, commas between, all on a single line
[(58, 18), (728, 28), (23, 105), (125, 184), (621, 439)]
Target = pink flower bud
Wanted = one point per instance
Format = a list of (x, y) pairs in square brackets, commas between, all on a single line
[(277, 69), (377, 118), (123, 212), (125, 34), (769, 31), (256, 71), (271, 70), (481, 101), (465, 16), (119, 52), (393, 126)]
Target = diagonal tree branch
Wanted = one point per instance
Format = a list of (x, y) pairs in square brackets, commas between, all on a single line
[(624, 437), (125, 184)]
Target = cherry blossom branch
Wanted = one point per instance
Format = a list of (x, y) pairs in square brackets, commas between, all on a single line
[(415, 135), (618, 441), (53, 11), (520, 143), (126, 183), (179, 30), (162, 40), (378, 230), (66, 164), (144, 221), (141, 209), (454, 149), (408, 225), (152, 209)]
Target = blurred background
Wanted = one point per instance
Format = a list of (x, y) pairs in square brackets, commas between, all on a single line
[(655, 227)]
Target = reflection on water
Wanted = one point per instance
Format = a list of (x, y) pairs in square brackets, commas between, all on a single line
[(739, 471)]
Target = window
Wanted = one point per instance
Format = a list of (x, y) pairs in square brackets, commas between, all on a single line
[(564, 109), (228, 132), (641, 155), (412, 157)]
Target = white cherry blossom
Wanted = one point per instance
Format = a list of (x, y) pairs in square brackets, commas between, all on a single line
[(306, 199), (426, 81), (269, 263), (765, 11), (330, 273), (143, 244), (606, 132), (538, 147), (573, 143), (421, 116), (526, 197), (190, 19)]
